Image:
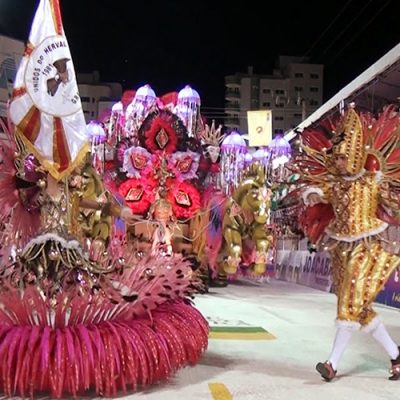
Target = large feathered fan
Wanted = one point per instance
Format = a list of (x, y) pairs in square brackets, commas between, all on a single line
[(383, 135)]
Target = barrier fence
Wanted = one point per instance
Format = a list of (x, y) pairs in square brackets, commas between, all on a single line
[(314, 270)]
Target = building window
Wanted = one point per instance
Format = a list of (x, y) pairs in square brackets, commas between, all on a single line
[(278, 130), (314, 76), (85, 99), (278, 118), (279, 91), (266, 104), (298, 75), (297, 115), (280, 105), (267, 91), (313, 102), (314, 89), (93, 99), (298, 89)]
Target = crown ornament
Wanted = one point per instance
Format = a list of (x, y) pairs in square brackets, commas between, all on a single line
[(211, 135)]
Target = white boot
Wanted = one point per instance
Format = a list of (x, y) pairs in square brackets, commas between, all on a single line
[(381, 335), (342, 338), (343, 335)]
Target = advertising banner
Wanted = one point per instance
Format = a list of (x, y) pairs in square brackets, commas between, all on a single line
[(390, 295), (314, 270)]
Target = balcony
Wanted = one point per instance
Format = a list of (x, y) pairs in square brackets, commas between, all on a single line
[(232, 81), (232, 94), (232, 108)]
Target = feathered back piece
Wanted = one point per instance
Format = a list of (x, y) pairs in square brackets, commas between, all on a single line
[(383, 136), (368, 142)]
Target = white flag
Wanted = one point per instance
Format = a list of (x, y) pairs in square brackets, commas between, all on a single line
[(46, 108)]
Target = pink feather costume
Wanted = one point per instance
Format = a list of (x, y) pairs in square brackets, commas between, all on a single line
[(69, 324)]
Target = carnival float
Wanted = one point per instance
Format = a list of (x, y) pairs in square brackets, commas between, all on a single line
[(198, 191), (80, 308), (111, 229)]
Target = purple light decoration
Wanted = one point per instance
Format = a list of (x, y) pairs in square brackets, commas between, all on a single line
[(279, 146), (117, 107), (98, 137), (136, 112), (116, 121), (96, 132), (233, 151), (234, 141), (189, 96), (146, 94), (187, 108), (261, 155), (248, 159), (280, 151)]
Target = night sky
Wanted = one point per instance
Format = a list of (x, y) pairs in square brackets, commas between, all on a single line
[(172, 43)]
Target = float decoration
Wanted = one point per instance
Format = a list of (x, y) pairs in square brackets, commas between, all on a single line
[(184, 164), (162, 131), (233, 150), (185, 199), (247, 214), (142, 103), (139, 194), (71, 322), (137, 162), (98, 138), (116, 126), (188, 109)]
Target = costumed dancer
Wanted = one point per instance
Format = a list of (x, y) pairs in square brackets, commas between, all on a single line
[(206, 228), (353, 197), (207, 233), (71, 322)]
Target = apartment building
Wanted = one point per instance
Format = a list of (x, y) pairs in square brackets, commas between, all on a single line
[(293, 91), (97, 96)]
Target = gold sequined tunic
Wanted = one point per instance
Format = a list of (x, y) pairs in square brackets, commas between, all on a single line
[(361, 262)]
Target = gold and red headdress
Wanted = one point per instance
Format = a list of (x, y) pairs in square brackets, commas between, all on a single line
[(349, 140), (367, 142)]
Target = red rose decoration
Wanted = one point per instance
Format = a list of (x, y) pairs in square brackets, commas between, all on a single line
[(185, 199), (139, 194)]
